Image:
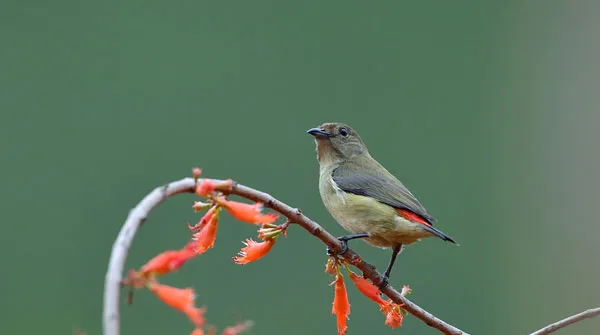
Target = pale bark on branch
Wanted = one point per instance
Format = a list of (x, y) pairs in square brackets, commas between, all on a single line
[(590, 313), (138, 215)]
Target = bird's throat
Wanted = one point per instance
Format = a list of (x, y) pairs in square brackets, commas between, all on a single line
[(326, 154)]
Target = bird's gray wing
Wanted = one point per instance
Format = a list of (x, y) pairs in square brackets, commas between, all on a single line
[(377, 183)]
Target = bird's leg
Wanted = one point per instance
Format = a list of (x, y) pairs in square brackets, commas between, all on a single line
[(386, 277), (344, 240)]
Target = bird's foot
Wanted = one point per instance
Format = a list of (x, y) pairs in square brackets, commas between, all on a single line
[(385, 281), (344, 243)]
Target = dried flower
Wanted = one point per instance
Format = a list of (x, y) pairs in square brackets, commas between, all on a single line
[(253, 251)]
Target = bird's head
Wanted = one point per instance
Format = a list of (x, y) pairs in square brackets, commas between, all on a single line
[(337, 142)]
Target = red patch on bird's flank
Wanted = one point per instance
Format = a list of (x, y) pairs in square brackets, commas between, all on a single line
[(412, 217)]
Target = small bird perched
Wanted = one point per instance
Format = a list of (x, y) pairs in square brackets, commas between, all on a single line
[(366, 199)]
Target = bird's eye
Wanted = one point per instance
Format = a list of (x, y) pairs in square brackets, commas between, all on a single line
[(343, 131)]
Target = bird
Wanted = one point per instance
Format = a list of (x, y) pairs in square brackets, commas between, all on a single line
[(365, 198)]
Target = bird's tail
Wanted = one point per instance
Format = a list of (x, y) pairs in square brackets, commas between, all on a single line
[(439, 234)]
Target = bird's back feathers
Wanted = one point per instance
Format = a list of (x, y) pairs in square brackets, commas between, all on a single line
[(378, 184)]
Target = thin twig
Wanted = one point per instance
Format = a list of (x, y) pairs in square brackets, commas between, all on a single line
[(590, 313), (138, 215)]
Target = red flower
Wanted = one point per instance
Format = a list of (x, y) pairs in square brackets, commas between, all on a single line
[(204, 220), (206, 187), (205, 239), (367, 288), (391, 310), (253, 251), (394, 317), (181, 299), (341, 305), (197, 331), (250, 213), (168, 261)]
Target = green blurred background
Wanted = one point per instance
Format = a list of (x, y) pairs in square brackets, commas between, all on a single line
[(487, 110)]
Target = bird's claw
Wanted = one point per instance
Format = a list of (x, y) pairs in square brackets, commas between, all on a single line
[(344, 243), (385, 281)]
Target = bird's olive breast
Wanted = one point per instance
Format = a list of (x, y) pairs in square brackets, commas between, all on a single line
[(355, 213)]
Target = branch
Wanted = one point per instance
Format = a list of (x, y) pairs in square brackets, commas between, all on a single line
[(590, 313), (138, 215), (116, 264), (294, 215)]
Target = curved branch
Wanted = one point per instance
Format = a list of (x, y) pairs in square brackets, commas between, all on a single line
[(116, 264), (138, 215), (590, 313)]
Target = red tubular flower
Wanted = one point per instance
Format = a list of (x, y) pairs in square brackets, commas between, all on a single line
[(394, 317), (250, 213), (341, 305), (197, 331), (204, 220), (180, 299), (168, 261), (205, 239), (253, 251), (367, 288), (391, 310), (206, 187)]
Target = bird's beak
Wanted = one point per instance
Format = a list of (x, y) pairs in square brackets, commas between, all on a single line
[(318, 132)]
